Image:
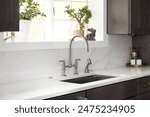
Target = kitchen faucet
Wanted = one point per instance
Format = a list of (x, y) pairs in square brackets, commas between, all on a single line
[(75, 65), (89, 62), (70, 48)]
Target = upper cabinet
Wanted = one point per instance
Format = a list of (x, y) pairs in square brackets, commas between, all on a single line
[(9, 15), (128, 16)]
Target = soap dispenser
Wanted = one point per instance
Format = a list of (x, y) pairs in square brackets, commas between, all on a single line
[(134, 54), (133, 57)]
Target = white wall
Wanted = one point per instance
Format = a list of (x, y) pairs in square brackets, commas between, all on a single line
[(20, 65)]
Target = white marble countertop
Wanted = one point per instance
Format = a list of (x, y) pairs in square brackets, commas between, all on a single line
[(44, 87)]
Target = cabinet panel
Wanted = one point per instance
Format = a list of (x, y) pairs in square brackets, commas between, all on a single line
[(104, 93), (73, 96), (128, 16), (147, 25), (145, 96), (143, 85), (9, 15), (117, 91), (127, 89), (142, 16), (118, 16)]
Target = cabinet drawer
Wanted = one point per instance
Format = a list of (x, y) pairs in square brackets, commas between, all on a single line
[(117, 91), (73, 96), (145, 96), (143, 85)]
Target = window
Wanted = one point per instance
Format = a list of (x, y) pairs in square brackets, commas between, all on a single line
[(63, 26), (57, 26)]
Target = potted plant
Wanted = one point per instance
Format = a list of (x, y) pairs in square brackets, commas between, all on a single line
[(82, 16), (28, 11)]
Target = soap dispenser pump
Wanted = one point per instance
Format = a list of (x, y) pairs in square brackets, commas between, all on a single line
[(134, 54)]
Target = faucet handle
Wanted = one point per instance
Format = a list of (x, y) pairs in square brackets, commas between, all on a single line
[(89, 61), (62, 61), (76, 66), (76, 60), (63, 67)]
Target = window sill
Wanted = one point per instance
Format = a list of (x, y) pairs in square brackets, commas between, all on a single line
[(25, 46)]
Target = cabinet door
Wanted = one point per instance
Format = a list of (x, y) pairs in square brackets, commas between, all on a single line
[(143, 85), (117, 91), (73, 96), (144, 96), (9, 15), (147, 22), (118, 18), (128, 16), (143, 88), (142, 15)]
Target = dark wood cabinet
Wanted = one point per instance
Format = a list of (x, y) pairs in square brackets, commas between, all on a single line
[(128, 16), (73, 96), (143, 85), (141, 18), (143, 88), (144, 96), (118, 91), (146, 16), (9, 15)]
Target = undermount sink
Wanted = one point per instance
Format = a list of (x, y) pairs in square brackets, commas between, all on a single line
[(87, 79)]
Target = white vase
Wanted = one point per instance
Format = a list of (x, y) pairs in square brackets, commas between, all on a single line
[(24, 31)]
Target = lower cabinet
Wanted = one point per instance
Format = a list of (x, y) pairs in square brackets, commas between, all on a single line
[(138, 89), (144, 96), (73, 96), (117, 91), (143, 88)]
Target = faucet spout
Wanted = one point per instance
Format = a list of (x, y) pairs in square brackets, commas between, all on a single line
[(70, 48)]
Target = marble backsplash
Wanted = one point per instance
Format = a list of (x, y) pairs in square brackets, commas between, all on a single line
[(21, 65)]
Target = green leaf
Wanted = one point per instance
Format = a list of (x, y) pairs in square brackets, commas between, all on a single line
[(31, 10), (82, 16)]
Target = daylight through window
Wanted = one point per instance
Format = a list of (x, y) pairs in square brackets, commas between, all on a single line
[(57, 26)]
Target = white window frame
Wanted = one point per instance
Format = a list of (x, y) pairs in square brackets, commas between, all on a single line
[(24, 46)]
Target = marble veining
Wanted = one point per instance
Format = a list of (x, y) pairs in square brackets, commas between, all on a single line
[(33, 64)]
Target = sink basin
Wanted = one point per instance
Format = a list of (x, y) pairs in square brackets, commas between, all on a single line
[(87, 79)]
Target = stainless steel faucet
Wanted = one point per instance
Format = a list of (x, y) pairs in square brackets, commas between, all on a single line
[(89, 62), (70, 65), (70, 48)]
